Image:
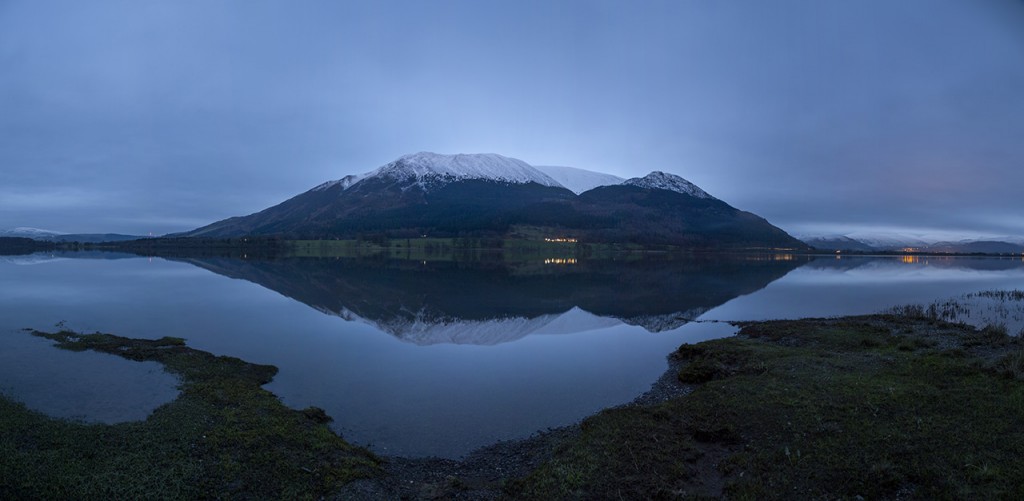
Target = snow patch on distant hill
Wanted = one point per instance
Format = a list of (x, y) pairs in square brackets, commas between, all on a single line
[(579, 180), (887, 241), (658, 180), (26, 232)]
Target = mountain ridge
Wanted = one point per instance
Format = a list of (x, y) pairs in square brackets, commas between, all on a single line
[(487, 194)]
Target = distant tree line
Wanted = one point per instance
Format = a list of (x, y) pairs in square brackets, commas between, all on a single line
[(12, 246)]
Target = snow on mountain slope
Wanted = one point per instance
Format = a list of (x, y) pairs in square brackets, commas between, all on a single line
[(664, 181), (836, 242), (344, 182), (425, 166), (579, 180)]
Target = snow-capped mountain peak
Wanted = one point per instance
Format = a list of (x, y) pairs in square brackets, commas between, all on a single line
[(664, 181), (425, 166), (429, 169), (579, 180)]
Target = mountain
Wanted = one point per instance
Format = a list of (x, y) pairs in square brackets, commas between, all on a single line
[(863, 241), (889, 241), (486, 195), (662, 208), (579, 180), (443, 195), (53, 236)]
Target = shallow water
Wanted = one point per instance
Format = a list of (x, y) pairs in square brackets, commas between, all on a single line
[(90, 387), (861, 285), (438, 359)]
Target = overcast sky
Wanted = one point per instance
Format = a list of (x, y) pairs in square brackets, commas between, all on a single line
[(147, 116)]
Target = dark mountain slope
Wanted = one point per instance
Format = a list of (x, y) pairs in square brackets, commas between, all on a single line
[(485, 195), (654, 215)]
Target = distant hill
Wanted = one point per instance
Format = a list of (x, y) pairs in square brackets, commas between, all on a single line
[(977, 247), (889, 243), (840, 243), (95, 237), (33, 233), (486, 195), (53, 236)]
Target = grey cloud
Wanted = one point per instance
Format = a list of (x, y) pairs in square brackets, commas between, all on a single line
[(155, 116)]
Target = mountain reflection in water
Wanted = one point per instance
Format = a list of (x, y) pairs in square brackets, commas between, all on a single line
[(485, 304)]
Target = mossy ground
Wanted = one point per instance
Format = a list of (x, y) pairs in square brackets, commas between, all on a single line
[(223, 437), (876, 407)]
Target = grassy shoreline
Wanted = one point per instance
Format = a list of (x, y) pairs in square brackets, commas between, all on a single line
[(224, 436), (869, 407), (882, 406)]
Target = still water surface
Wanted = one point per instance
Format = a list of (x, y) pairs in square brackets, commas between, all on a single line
[(421, 359)]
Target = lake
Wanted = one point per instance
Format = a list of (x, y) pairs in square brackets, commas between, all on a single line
[(418, 358)]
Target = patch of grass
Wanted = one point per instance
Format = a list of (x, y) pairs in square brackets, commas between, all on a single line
[(628, 453), (990, 335), (1011, 365), (830, 408), (703, 365), (223, 437)]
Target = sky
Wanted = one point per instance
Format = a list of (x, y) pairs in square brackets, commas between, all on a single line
[(823, 117)]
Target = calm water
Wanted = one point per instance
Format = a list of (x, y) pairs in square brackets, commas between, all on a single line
[(424, 359)]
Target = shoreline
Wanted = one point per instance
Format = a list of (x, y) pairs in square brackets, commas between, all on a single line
[(481, 474), (728, 417), (488, 472)]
